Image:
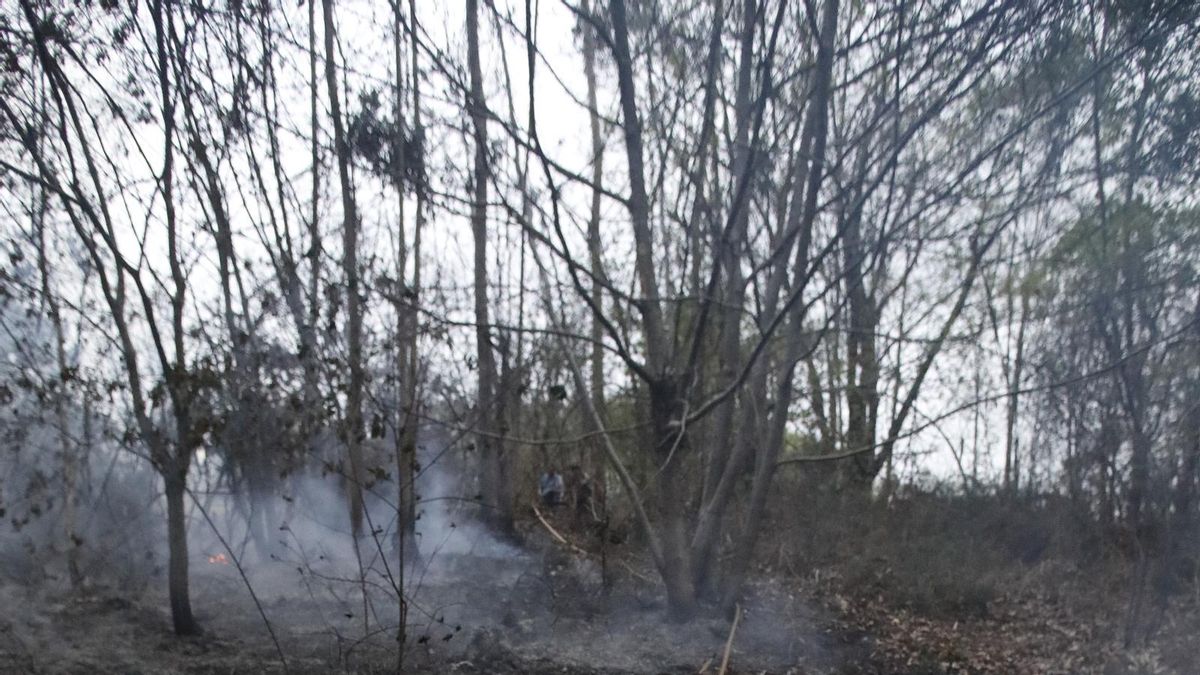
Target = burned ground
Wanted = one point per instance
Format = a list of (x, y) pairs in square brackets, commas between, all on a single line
[(538, 606), (536, 611)]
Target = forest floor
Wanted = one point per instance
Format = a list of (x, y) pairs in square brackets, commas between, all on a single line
[(542, 609), (1049, 620), (534, 614)]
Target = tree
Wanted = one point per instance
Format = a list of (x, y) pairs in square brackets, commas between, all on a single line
[(82, 189), (496, 496), (353, 431)]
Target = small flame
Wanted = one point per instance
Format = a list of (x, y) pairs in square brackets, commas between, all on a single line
[(218, 559)]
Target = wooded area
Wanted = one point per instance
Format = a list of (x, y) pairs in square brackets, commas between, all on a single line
[(598, 337)]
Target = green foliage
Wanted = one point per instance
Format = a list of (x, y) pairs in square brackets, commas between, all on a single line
[(1091, 252)]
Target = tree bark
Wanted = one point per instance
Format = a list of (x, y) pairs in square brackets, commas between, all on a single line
[(594, 465), (70, 455), (1011, 442), (657, 358), (496, 503), (802, 215), (177, 566), (354, 391), (307, 325), (665, 406), (406, 323)]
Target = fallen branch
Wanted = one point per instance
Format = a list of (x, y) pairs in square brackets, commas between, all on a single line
[(565, 542), (636, 574), (737, 614), (554, 533)]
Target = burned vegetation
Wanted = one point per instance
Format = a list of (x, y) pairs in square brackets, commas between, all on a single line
[(597, 337)]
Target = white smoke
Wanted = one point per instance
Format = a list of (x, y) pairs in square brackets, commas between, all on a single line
[(448, 512)]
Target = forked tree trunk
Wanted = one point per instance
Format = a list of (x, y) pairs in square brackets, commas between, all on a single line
[(802, 215), (92, 222), (674, 559), (727, 254), (173, 465)]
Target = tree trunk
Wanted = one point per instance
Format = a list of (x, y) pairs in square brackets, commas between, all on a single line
[(354, 391), (307, 326), (803, 215), (862, 367), (409, 497), (674, 561), (671, 486), (70, 453), (657, 357), (727, 253), (1011, 442), (496, 504), (177, 569), (594, 463), (406, 334)]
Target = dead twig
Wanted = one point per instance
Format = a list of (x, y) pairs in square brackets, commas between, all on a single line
[(242, 572)]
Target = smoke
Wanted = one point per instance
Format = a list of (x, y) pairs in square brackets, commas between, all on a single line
[(468, 595), (448, 519)]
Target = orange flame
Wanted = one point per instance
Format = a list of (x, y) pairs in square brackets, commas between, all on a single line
[(218, 559)]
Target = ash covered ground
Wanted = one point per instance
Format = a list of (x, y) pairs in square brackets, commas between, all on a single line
[(280, 590), (533, 609)]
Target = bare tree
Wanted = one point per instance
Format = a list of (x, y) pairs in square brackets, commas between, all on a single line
[(496, 496), (353, 423)]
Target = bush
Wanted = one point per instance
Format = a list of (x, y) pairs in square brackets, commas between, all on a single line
[(936, 552)]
